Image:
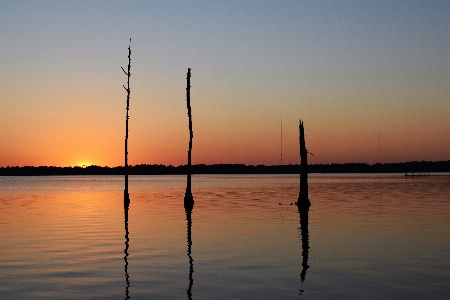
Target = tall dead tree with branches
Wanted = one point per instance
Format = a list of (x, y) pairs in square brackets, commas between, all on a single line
[(127, 88)]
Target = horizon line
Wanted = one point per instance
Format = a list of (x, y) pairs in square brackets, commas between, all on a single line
[(216, 164)]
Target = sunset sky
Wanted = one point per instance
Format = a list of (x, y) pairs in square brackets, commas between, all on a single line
[(370, 80)]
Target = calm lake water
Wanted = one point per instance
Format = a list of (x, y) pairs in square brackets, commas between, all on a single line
[(364, 237)]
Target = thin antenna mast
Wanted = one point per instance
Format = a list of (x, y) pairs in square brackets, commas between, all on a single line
[(379, 147), (281, 140)]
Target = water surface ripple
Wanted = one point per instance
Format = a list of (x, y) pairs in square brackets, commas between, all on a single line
[(364, 237)]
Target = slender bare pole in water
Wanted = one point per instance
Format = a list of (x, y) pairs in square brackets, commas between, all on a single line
[(188, 198), (125, 192), (188, 195)]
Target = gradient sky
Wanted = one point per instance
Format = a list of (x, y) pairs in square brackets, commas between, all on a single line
[(370, 79)]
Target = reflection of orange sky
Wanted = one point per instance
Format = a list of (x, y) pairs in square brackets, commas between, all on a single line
[(226, 208)]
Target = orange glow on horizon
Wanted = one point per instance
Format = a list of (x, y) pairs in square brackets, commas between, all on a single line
[(83, 164)]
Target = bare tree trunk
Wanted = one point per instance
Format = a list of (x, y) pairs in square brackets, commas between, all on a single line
[(125, 192), (188, 196), (303, 199)]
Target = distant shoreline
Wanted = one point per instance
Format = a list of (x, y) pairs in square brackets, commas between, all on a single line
[(413, 167)]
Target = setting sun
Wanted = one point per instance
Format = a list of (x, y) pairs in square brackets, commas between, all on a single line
[(84, 164)]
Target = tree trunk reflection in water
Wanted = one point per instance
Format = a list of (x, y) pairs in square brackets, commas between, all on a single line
[(126, 204), (188, 206)]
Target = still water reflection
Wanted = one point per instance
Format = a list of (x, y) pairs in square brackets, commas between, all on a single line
[(126, 205), (364, 236), (188, 206), (305, 240)]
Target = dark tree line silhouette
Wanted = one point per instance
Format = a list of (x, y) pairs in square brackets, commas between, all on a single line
[(159, 169)]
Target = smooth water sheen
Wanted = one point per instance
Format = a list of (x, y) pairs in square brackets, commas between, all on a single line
[(364, 237)]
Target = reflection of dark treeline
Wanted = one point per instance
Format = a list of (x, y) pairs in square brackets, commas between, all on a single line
[(416, 167)]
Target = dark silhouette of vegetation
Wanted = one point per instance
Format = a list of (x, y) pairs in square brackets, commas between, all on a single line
[(303, 200), (126, 195), (188, 198), (417, 167), (125, 192), (188, 195)]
